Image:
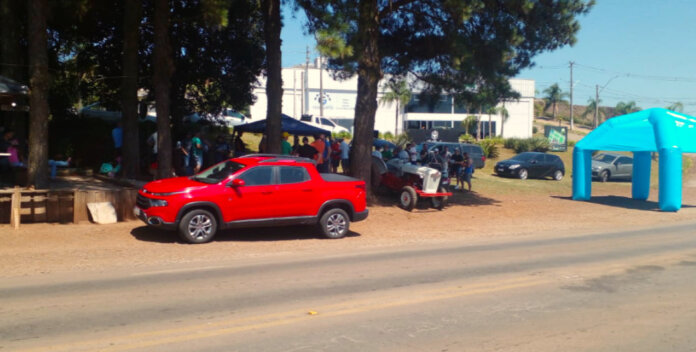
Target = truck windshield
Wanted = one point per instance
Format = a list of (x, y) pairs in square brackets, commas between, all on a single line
[(218, 172)]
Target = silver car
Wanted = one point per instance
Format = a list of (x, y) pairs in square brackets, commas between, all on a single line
[(606, 166)]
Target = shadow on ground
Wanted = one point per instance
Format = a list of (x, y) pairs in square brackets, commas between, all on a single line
[(623, 202), (458, 198), (259, 234)]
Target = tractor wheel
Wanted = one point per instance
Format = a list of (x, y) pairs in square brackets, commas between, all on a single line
[(408, 198)]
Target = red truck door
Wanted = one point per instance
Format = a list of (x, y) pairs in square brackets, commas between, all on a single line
[(296, 193), (256, 199)]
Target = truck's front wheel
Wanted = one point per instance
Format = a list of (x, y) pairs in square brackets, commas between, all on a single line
[(198, 226), (334, 223)]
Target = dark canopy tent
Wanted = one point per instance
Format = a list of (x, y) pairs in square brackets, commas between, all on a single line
[(288, 124)]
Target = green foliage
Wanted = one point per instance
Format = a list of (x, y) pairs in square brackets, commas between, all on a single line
[(342, 135), (470, 124), (467, 138), (571, 143), (534, 144), (509, 143), (388, 136), (401, 139), (623, 108), (539, 144), (490, 148)]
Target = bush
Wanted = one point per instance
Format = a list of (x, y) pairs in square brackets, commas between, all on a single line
[(571, 143), (467, 138), (539, 144), (509, 143), (343, 135), (490, 149), (535, 129), (522, 145)]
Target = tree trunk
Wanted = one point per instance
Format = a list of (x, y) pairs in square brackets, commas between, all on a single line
[(164, 68), (37, 173), (478, 127), (129, 88), (396, 120), (274, 82), (502, 121), (554, 110), (490, 126), (369, 74)]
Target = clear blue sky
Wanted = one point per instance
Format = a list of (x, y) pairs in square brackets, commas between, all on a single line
[(644, 49)]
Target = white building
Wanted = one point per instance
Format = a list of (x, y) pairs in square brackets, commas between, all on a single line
[(340, 97)]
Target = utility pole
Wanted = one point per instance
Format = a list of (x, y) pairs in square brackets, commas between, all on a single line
[(305, 95), (572, 124), (596, 106)]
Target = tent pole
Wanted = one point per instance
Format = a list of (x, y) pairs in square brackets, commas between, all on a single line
[(640, 188), (582, 174), (670, 198)]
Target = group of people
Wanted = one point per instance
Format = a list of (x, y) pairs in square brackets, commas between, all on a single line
[(458, 164), (327, 152), (13, 158)]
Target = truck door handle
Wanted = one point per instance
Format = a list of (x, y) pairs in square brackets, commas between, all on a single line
[(307, 190), (266, 192)]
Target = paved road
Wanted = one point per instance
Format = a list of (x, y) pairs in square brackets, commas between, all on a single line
[(623, 291)]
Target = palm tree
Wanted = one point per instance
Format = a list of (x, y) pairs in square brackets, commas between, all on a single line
[(554, 95), (592, 107), (399, 92), (491, 111), (625, 108), (676, 106), (504, 115)]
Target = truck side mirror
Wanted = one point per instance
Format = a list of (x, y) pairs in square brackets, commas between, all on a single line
[(237, 182)]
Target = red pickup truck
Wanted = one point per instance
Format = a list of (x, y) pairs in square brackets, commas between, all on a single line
[(254, 190)]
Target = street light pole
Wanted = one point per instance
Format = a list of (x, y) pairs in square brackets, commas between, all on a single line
[(597, 91)]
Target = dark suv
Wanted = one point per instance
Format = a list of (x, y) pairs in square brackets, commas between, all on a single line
[(532, 164), (474, 151)]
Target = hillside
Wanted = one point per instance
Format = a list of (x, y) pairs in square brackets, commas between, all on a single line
[(579, 116)]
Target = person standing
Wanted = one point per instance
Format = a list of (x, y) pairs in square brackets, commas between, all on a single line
[(239, 147), (222, 149), (413, 154), (457, 161), (117, 136), (345, 155), (285, 147), (319, 145), (306, 150), (468, 170), (196, 152), (335, 155)]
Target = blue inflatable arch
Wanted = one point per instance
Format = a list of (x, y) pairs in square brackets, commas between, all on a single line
[(654, 130)]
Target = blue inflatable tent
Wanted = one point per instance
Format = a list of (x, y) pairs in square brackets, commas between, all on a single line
[(654, 130)]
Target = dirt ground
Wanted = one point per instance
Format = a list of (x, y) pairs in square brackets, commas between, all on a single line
[(54, 248)]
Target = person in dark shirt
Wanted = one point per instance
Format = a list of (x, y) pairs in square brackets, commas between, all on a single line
[(306, 150), (457, 161)]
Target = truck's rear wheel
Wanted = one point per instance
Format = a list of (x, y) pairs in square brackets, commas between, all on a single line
[(335, 223), (408, 198), (198, 226)]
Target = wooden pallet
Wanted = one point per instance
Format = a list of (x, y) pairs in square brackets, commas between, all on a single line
[(33, 206)]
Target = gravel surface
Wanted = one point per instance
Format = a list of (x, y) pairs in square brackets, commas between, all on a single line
[(55, 248)]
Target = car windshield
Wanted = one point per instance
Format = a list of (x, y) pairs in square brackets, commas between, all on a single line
[(524, 156), (218, 172), (605, 158)]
